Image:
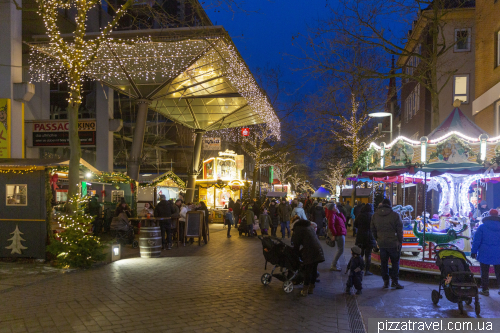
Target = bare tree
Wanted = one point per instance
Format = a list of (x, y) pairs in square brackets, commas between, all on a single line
[(282, 166), (367, 24)]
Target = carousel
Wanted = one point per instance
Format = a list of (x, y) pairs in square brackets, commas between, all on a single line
[(451, 170)]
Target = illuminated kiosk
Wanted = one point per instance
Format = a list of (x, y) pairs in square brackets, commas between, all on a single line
[(452, 161), (220, 180), (152, 186)]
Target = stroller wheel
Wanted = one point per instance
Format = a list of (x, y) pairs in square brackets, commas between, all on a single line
[(477, 307), (288, 286), (468, 301), (135, 245), (435, 296), (266, 279), (461, 307)]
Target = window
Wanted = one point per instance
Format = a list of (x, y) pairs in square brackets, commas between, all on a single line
[(17, 195), (462, 40), (116, 195), (412, 103), (461, 88)]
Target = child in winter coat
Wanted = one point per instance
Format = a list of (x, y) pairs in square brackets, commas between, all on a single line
[(355, 268)]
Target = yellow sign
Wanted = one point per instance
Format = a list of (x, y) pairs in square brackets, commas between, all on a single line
[(5, 127)]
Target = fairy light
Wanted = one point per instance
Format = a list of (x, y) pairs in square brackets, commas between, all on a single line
[(447, 135), (20, 171), (413, 142)]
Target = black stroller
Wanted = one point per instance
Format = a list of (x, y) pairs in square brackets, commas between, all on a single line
[(123, 231), (282, 256), (456, 280)]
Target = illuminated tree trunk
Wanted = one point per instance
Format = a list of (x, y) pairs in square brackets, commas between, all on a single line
[(74, 139)]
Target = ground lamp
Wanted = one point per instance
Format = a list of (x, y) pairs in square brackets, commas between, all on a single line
[(115, 252), (380, 115)]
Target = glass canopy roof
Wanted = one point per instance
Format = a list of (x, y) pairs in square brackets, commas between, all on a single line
[(198, 81)]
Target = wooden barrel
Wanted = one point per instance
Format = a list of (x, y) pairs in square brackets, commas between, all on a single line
[(150, 242)]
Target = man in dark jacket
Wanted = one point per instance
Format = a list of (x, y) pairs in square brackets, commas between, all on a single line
[(275, 217), (165, 209), (319, 218), (387, 229), (312, 252), (356, 212), (285, 212), (364, 236), (237, 212), (230, 204)]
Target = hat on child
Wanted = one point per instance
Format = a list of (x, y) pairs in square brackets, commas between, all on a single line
[(356, 250), (230, 209)]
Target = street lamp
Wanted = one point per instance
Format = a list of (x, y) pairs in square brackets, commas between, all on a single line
[(380, 115)]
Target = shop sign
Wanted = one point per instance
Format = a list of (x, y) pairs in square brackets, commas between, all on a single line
[(235, 188), (245, 131), (211, 144), (5, 128), (240, 162), (56, 133)]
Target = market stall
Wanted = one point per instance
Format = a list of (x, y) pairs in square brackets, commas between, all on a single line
[(447, 165), (152, 186)]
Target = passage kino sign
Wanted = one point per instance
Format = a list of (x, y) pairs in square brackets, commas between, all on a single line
[(55, 133)]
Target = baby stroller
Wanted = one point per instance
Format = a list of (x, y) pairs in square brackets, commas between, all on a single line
[(283, 257), (123, 231), (456, 280)]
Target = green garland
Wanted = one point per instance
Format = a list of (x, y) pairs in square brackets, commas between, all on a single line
[(467, 149), (168, 175)]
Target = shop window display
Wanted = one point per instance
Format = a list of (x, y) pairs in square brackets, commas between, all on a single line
[(17, 195)]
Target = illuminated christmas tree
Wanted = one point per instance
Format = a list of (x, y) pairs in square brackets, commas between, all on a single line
[(16, 245)]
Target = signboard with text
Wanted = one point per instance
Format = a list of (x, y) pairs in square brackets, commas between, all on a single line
[(211, 144), (55, 133)]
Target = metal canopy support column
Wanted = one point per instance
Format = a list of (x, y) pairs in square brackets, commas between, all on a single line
[(193, 172), (140, 129)]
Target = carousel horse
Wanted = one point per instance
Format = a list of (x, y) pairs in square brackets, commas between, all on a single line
[(439, 237)]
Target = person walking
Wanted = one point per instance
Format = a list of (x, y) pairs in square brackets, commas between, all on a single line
[(229, 220), (356, 211), (264, 222), (285, 212), (387, 229), (237, 212), (318, 218), (249, 217), (164, 210), (299, 211), (364, 237), (275, 218), (486, 249), (336, 225), (312, 253)]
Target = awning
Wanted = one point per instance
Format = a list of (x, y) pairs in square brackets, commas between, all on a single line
[(436, 169), (193, 76), (389, 172), (276, 194), (360, 192)]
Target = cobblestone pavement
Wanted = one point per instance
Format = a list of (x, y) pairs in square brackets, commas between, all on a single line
[(212, 288), (208, 288)]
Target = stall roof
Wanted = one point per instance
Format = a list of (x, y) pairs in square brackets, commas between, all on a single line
[(436, 169), (154, 180), (37, 162), (321, 193), (276, 194), (388, 172), (360, 192)]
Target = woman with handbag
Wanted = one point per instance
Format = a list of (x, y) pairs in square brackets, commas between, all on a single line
[(336, 226)]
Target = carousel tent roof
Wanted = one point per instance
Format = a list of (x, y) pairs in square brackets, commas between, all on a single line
[(458, 122), (436, 169), (193, 76), (321, 193)]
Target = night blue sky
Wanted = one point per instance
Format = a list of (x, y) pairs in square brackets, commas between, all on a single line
[(263, 32)]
